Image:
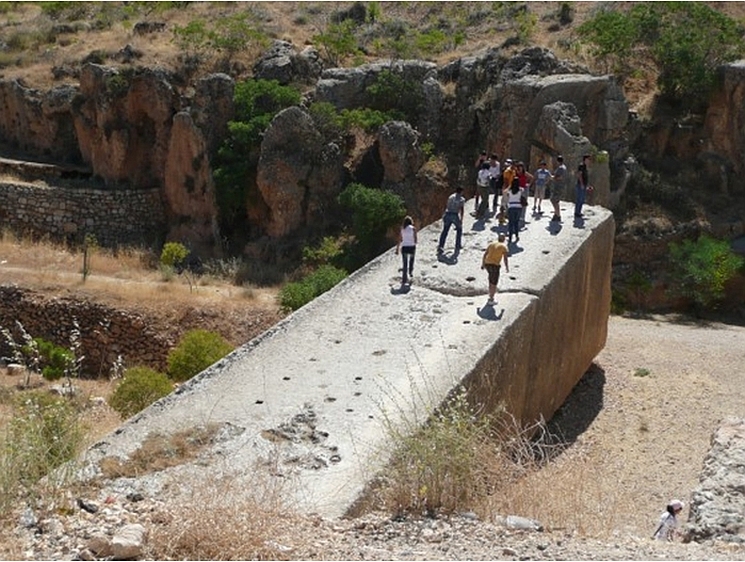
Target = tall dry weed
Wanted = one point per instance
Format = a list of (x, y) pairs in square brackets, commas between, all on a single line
[(220, 520)]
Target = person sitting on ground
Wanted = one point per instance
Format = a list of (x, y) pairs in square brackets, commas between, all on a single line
[(667, 528)]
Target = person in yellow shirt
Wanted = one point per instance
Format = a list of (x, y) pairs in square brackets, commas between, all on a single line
[(495, 253)]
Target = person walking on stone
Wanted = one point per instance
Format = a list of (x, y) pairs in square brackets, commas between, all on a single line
[(583, 186), (407, 246), (508, 174), (667, 528), (453, 216), (495, 253), (542, 177), (557, 187), (514, 195), (526, 180)]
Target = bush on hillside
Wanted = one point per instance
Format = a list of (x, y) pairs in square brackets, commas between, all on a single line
[(54, 360), (297, 294), (139, 388), (373, 212), (701, 269), (197, 350), (686, 41)]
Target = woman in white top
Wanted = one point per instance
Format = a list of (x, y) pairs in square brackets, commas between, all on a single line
[(668, 522), (513, 194), (407, 246)]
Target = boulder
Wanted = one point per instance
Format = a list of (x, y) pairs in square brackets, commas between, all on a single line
[(718, 503), (212, 108), (281, 62), (298, 174), (129, 542)]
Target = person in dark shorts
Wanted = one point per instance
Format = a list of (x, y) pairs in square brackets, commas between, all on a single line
[(495, 253)]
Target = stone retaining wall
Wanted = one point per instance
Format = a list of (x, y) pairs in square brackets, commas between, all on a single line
[(114, 217), (105, 332)]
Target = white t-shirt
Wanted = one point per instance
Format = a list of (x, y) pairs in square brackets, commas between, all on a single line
[(667, 525), (407, 236), (513, 199)]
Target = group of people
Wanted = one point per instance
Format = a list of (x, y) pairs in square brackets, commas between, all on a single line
[(510, 187)]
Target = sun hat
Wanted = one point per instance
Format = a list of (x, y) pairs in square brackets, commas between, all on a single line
[(677, 505)]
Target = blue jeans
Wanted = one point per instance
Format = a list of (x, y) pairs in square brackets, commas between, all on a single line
[(579, 199), (407, 255), (513, 221), (451, 219)]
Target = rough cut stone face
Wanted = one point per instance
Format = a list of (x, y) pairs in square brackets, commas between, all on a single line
[(718, 503)]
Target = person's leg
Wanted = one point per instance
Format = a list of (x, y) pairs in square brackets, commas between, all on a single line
[(411, 261), (447, 221), (458, 232), (579, 201), (404, 258), (483, 207)]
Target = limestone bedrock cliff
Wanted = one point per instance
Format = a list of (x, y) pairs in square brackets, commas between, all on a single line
[(310, 398)]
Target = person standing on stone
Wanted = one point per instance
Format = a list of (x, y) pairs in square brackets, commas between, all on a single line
[(482, 186), (507, 176), (479, 163), (514, 194), (557, 187), (407, 246), (526, 180), (583, 185), (667, 528), (453, 217), (542, 177), (496, 182), (495, 253)]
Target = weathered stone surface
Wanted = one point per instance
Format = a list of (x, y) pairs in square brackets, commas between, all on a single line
[(213, 108), (718, 503), (189, 189), (123, 124), (350, 374), (281, 62), (298, 175), (129, 542)]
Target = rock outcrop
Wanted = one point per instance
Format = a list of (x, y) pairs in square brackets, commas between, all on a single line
[(718, 503)]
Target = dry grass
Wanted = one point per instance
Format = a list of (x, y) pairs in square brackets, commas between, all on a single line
[(159, 452), (221, 521)]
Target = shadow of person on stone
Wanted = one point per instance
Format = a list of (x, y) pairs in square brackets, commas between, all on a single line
[(577, 412), (500, 229), (449, 259), (489, 313), (479, 225), (554, 228), (402, 289)]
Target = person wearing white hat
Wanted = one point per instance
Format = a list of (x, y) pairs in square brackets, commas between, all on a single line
[(668, 521)]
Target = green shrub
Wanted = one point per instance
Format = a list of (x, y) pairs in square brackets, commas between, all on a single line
[(329, 251), (392, 93), (373, 212), (173, 254), (701, 269), (367, 119), (43, 433), (686, 41), (197, 350), (256, 104), (139, 388), (54, 360), (297, 294), (337, 42)]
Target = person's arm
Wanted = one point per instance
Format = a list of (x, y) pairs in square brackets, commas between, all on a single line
[(416, 238), (483, 258), (506, 263)]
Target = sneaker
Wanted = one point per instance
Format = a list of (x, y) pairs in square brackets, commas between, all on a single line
[(555, 218), (490, 301)]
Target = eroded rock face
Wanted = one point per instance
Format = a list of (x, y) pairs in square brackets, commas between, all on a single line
[(123, 124), (39, 122), (718, 503), (281, 62), (188, 187), (298, 176)]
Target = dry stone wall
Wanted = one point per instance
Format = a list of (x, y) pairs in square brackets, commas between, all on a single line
[(105, 333), (114, 217)]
